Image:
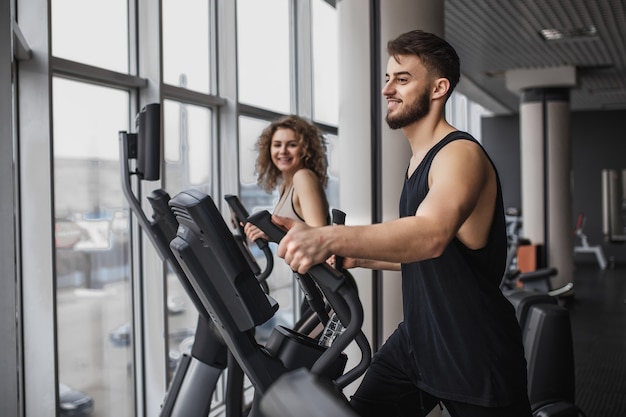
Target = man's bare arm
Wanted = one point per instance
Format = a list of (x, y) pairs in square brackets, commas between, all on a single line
[(377, 265), (457, 181), (305, 246)]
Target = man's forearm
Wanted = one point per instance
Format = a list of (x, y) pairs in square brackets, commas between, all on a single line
[(377, 265), (403, 240)]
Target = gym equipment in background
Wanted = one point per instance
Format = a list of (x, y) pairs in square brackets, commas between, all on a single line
[(613, 207), (584, 246)]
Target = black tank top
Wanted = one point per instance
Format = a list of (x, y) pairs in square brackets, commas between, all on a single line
[(464, 335)]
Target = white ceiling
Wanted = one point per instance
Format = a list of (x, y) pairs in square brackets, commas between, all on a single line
[(493, 36)]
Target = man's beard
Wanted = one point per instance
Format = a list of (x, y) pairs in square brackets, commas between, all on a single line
[(414, 112)]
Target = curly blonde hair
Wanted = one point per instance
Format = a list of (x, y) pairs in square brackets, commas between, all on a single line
[(311, 142)]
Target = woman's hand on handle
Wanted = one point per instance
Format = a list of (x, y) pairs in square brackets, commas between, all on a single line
[(253, 233)]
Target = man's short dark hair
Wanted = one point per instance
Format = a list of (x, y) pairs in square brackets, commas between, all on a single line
[(437, 55)]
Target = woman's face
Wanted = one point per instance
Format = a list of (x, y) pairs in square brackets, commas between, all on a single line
[(285, 151)]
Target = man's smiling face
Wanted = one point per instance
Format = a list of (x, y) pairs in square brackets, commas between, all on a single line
[(407, 90)]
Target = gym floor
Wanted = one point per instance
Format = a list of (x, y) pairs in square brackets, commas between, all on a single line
[(598, 317)]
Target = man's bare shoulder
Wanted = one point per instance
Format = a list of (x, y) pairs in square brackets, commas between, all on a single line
[(464, 152)]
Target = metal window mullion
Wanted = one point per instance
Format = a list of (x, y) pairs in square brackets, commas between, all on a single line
[(226, 144), (191, 97), (213, 49), (21, 50), (12, 393), (269, 115), (302, 58), (83, 72), (258, 112), (35, 191), (149, 284), (214, 99)]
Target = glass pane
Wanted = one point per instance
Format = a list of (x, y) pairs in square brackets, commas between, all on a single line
[(332, 189), (187, 146), (249, 131), (460, 111), (186, 22), (187, 136), (92, 32), (92, 249), (325, 63), (263, 53), (476, 113)]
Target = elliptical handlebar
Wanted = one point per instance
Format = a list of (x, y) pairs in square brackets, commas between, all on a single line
[(324, 273), (344, 301), (241, 214), (241, 217), (339, 217)]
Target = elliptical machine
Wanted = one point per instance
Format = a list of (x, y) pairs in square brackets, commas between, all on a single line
[(546, 331), (227, 288), (190, 391), (513, 278)]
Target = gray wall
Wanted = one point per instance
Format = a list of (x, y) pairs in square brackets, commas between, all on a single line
[(500, 136), (599, 142)]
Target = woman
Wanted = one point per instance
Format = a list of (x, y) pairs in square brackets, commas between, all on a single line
[(292, 155)]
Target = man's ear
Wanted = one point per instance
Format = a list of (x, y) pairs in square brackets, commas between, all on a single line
[(442, 85)]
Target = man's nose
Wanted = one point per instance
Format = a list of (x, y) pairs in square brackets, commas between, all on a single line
[(387, 89)]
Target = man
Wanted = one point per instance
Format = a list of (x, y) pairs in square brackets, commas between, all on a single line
[(459, 343)]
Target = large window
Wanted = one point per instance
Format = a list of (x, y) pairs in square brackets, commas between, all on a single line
[(325, 62), (92, 249), (91, 32), (252, 196), (263, 53), (280, 60), (187, 156), (465, 115), (187, 145), (186, 23)]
